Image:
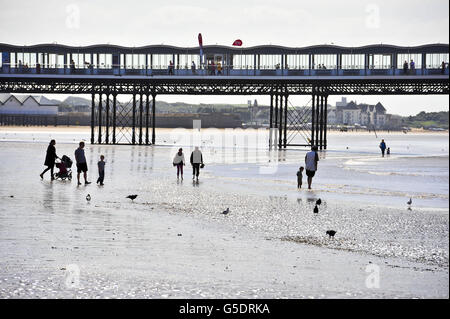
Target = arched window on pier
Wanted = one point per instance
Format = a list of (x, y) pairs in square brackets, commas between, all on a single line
[(327, 60), (352, 61), (161, 61), (297, 61), (270, 61), (417, 58), (186, 61), (243, 61), (380, 61), (434, 60)]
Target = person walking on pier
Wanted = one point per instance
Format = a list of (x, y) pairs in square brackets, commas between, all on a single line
[(405, 67), (213, 68), (170, 67), (382, 147), (196, 162), (412, 66), (50, 159), (81, 163), (179, 162), (311, 161)]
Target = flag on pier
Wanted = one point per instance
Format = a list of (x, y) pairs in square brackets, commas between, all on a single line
[(200, 44)]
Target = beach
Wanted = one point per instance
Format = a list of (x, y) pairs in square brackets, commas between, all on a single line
[(173, 241)]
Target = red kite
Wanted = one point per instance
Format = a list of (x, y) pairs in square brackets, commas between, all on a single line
[(237, 43)]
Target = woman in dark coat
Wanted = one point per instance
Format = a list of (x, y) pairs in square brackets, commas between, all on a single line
[(50, 159)]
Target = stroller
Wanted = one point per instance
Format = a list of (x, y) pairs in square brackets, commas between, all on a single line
[(64, 166)]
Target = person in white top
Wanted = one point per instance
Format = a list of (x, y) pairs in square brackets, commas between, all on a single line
[(179, 162), (311, 161), (196, 161)]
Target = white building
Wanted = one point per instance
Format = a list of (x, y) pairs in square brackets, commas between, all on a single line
[(27, 104), (362, 114)]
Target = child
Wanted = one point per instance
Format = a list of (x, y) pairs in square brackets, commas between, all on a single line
[(300, 177), (101, 170), (388, 151)]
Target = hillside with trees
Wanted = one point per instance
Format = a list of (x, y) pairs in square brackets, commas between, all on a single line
[(428, 120)]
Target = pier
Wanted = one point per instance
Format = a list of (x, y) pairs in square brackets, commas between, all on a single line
[(106, 71)]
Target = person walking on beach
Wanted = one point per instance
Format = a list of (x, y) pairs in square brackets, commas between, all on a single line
[(101, 170), (311, 161), (50, 159), (382, 147), (81, 163), (196, 161), (300, 177), (179, 162)]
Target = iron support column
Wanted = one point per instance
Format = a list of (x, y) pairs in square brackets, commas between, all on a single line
[(114, 117), (326, 123), (280, 127), (133, 128), (313, 118), (276, 111), (100, 119), (153, 118), (107, 119), (321, 123), (285, 121), (147, 110), (92, 118), (271, 122), (141, 109), (317, 120)]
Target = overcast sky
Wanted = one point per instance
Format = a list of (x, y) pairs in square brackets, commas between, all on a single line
[(282, 22)]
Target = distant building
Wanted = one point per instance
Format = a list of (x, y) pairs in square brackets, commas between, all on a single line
[(362, 114), (27, 104)]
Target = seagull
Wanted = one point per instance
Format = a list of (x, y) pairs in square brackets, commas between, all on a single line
[(225, 212), (331, 233), (132, 197), (318, 202), (88, 197), (409, 202), (316, 210)]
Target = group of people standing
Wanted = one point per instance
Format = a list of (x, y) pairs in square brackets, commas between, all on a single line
[(81, 163), (412, 66)]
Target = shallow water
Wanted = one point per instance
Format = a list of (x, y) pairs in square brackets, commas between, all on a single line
[(132, 249)]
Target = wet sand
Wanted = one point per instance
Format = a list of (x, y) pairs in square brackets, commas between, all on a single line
[(173, 241)]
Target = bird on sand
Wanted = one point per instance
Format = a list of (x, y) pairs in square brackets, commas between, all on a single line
[(132, 197), (225, 212), (318, 202), (88, 197), (331, 233), (316, 210), (409, 202)]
